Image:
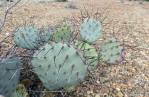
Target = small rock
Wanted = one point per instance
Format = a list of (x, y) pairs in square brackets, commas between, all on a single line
[(103, 80), (71, 5), (7, 34), (89, 92), (117, 93), (97, 95)]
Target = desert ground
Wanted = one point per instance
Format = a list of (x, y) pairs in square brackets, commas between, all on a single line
[(128, 21)]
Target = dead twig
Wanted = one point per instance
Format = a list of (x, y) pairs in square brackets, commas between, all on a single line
[(6, 14)]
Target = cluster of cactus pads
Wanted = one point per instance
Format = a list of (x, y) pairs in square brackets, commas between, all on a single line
[(58, 63)]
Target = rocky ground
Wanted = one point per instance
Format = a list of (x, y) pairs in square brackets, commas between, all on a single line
[(127, 21)]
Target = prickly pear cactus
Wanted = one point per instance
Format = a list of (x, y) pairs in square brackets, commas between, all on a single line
[(59, 66), (111, 51), (89, 52), (62, 34), (90, 30), (29, 37), (9, 75)]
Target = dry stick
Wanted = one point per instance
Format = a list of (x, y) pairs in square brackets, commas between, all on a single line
[(6, 13), (48, 91)]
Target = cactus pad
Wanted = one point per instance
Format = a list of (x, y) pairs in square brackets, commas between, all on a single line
[(9, 75), (90, 30), (89, 52), (59, 66), (62, 34), (20, 91), (29, 37), (111, 51)]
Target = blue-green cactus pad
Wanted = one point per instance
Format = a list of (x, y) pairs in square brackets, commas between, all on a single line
[(59, 66), (29, 37), (111, 51), (90, 30), (9, 75)]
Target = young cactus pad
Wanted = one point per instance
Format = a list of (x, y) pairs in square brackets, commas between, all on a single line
[(62, 34), (20, 91), (59, 66), (89, 52), (29, 37), (90, 30), (9, 75), (111, 51)]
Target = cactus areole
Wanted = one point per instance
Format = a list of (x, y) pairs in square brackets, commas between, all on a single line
[(59, 66)]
